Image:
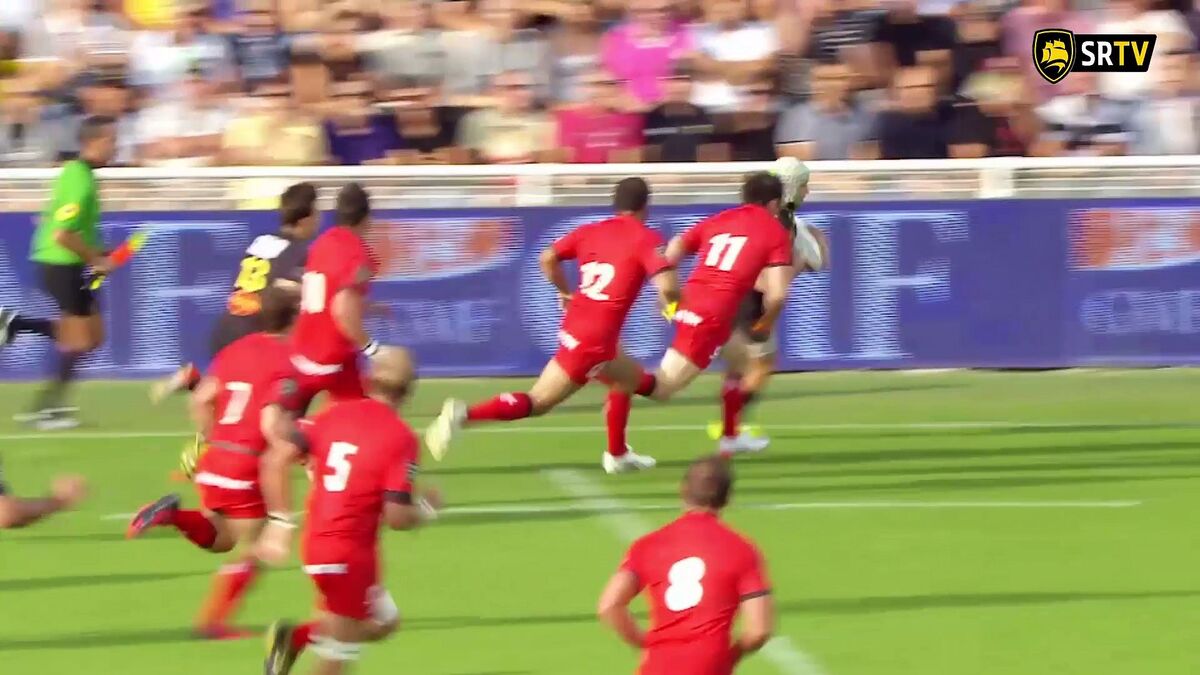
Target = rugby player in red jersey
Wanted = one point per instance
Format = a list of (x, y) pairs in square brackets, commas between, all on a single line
[(736, 249), (363, 458), (227, 407), (615, 257), (271, 260), (698, 575), (329, 334)]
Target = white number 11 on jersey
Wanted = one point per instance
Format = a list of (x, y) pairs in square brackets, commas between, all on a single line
[(723, 251)]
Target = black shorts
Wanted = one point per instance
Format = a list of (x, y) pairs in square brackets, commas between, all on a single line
[(230, 329), (68, 285), (749, 313)]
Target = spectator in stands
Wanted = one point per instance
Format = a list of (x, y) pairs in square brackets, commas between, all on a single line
[(677, 130), (750, 132), (731, 51), (186, 128), (496, 43), (1168, 123), (794, 24), (259, 46), (354, 131), (994, 117), (844, 34), (1082, 122), (509, 131), (904, 38), (831, 124), (426, 130), (338, 45), (600, 130), (1147, 17), (644, 49), (160, 59), (407, 45), (268, 129), (1018, 27), (912, 128), (977, 40), (575, 50)]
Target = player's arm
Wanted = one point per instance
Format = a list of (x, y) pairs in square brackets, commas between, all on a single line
[(757, 615), (552, 269), (70, 193), (349, 308), (287, 444), (203, 404), (661, 272), (756, 609), (775, 281), (401, 510), (613, 608)]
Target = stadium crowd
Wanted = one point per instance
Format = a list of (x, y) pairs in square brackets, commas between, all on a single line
[(306, 82)]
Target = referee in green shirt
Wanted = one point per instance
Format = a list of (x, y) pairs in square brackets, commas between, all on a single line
[(67, 251)]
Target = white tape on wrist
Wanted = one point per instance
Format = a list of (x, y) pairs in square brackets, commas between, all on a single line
[(370, 349)]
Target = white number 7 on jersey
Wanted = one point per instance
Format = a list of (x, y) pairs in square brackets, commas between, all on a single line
[(723, 251)]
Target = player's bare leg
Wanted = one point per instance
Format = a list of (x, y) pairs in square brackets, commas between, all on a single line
[(185, 378), (552, 387), (739, 355), (233, 580), (675, 373), (625, 377), (336, 640)]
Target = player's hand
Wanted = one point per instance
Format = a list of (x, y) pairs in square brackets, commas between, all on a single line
[(69, 490), (274, 545), (761, 331), (102, 265), (433, 497)]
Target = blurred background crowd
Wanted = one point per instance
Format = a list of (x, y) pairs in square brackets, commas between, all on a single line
[(306, 82)]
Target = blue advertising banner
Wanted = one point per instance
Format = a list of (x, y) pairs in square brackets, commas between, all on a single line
[(912, 285)]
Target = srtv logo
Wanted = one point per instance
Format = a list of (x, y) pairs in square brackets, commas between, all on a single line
[(1058, 52)]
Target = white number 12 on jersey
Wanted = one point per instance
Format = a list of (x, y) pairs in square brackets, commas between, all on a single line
[(594, 277), (723, 251)]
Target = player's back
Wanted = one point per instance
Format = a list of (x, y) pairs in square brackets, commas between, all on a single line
[(249, 372), (696, 572), (615, 257), (270, 257), (732, 248), (355, 448), (337, 260)]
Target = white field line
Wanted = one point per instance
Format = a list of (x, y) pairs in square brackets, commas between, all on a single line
[(585, 428), (612, 507), (628, 526)]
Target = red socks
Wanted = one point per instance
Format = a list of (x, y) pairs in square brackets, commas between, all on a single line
[(646, 384), (302, 636), (616, 417), (733, 399), (195, 527), (230, 584), (503, 408)]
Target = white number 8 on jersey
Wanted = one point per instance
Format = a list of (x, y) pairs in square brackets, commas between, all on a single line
[(685, 591)]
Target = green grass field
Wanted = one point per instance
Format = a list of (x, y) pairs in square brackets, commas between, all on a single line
[(915, 524)]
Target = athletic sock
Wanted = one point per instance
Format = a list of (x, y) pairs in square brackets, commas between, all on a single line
[(616, 418), (52, 395), (646, 384), (198, 529), (732, 401), (234, 580), (302, 636), (43, 327), (503, 408)]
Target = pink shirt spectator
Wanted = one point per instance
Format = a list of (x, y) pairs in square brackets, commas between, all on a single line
[(592, 133), (643, 60)]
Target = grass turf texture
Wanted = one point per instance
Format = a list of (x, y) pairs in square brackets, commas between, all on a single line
[(1099, 589)]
